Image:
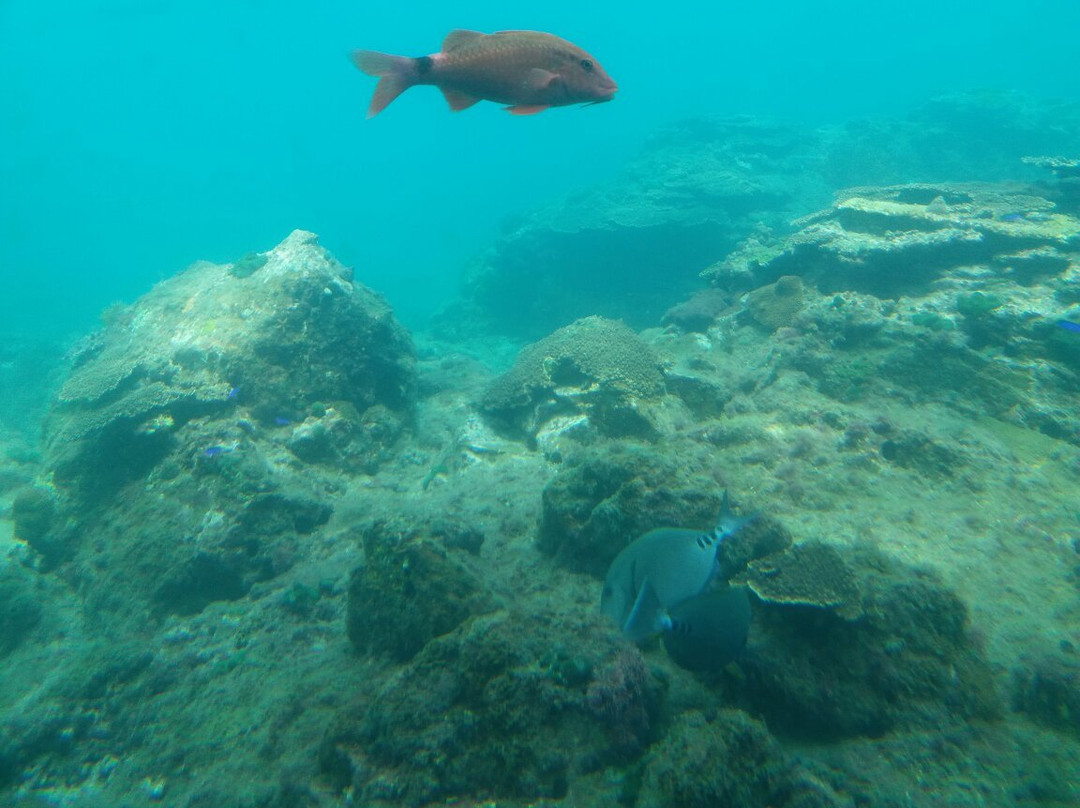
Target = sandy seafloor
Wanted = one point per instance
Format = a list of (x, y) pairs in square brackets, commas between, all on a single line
[(115, 698)]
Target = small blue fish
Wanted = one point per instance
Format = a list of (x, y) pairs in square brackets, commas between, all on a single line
[(212, 452), (1069, 325), (1011, 217), (233, 393), (281, 420)]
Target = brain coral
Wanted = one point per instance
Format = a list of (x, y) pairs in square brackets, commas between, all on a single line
[(592, 367)]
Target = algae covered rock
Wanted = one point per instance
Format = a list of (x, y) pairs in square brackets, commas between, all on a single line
[(592, 373), (729, 759), (20, 607), (1047, 688), (414, 585), (34, 511), (605, 496), (199, 434), (256, 542), (507, 706), (294, 331), (910, 660), (699, 311)]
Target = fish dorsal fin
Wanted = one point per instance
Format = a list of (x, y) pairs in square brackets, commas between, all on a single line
[(458, 100), (459, 37), (647, 617)]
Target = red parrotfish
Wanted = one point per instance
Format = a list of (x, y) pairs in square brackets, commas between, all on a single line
[(527, 70)]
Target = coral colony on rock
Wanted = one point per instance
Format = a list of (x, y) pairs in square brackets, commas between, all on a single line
[(274, 550)]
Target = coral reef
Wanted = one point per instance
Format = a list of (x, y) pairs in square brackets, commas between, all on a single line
[(508, 705), (268, 558), (631, 247), (810, 574), (777, 304), (592, 373), (984, 273), (698, 185), (894, 240)]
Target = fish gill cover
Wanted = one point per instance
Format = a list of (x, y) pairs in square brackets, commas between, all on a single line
[(286, 541)]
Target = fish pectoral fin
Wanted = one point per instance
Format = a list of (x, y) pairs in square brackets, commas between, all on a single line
[(539, 79), (526, 109), (459, 37), (458, 100), (647, 617)]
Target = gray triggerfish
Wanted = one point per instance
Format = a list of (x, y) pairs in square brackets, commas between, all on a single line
[(708, 631), (665, 582)]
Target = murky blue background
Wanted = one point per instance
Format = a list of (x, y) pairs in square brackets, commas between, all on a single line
[(137, 137)]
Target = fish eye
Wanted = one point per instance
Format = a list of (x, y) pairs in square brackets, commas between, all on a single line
[(586, 65)]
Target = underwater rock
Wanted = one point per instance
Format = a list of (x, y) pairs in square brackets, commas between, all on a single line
[(762, 536), (630, 248), (593, 373), (777, 304), (607, 495), (1048, 689), (20, 607), (33, 511), (507, 706), (1064, 168), (699, 311), (914, 450), (226, 406), (255, 544), (273, 343), (909, 661), (897, 239), (412, 588), (682, 769)]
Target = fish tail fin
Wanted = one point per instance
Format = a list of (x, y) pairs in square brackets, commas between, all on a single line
[(729, 524), (396, 75)]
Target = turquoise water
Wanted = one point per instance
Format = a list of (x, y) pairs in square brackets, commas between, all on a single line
[(137, 137), (270, 540)]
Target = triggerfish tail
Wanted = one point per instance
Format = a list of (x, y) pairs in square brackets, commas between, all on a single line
[(396, 75), (729, 524)]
